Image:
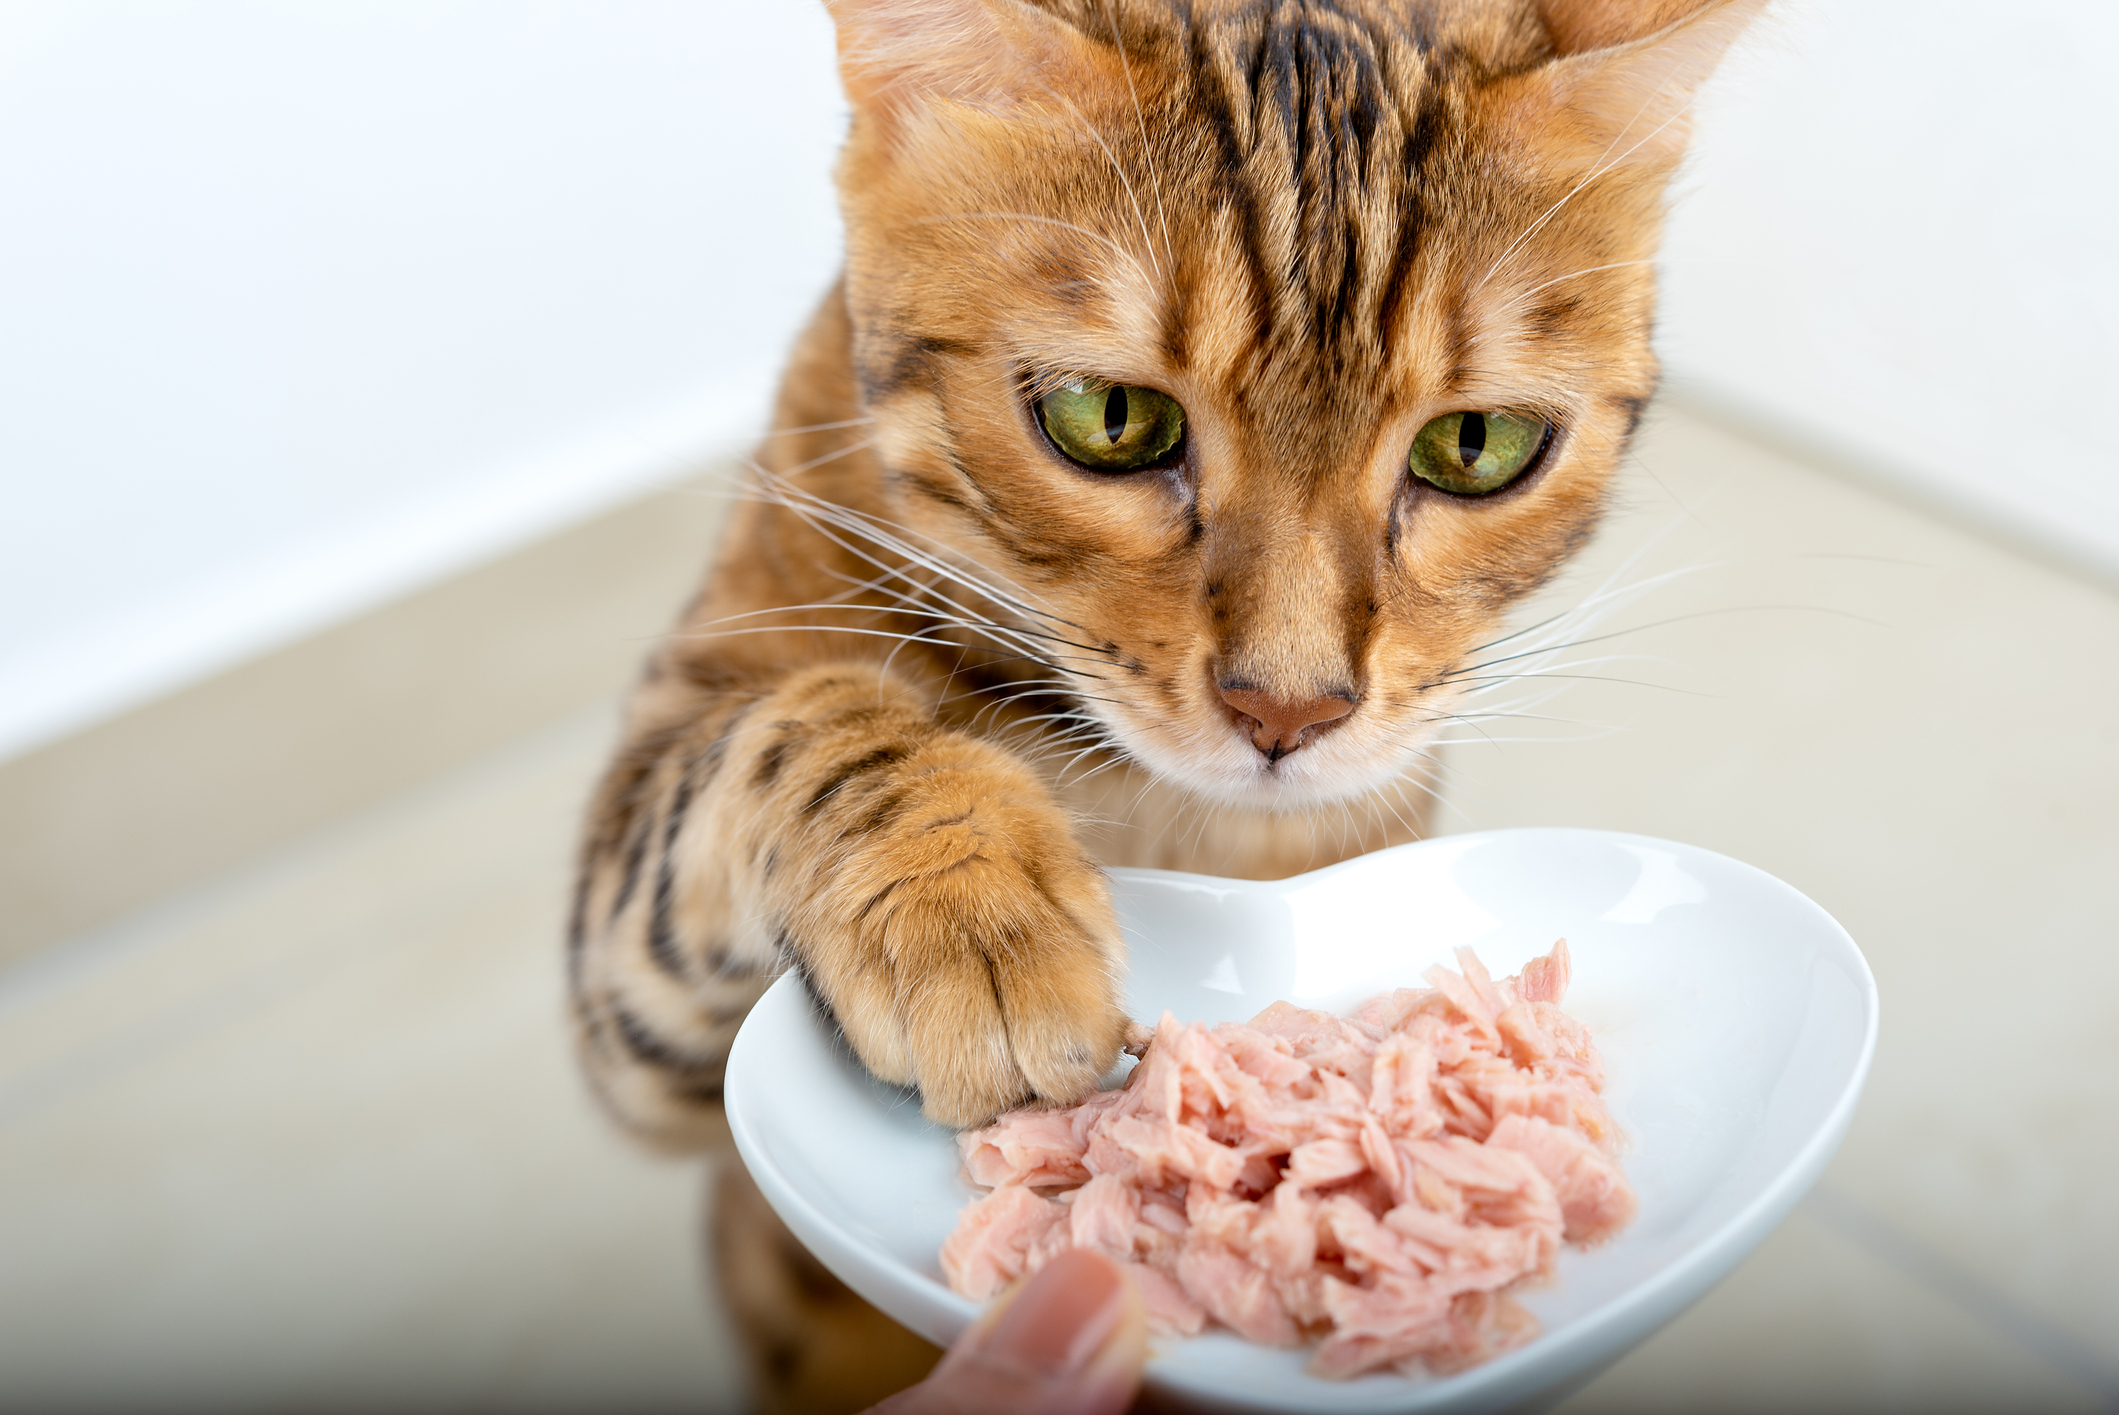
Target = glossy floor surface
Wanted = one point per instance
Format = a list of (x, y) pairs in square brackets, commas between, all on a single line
[(309, 1137)]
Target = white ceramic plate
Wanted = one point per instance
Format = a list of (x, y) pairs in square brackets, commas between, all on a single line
[(1736, 1018)]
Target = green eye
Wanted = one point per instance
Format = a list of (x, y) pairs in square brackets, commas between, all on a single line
[(1474, 453), (1109, 428)]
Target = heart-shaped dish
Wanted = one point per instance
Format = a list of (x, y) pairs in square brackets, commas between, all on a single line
[(1737, 1022)]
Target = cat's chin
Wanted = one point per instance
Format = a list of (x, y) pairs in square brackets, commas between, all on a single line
[(1232, 773)]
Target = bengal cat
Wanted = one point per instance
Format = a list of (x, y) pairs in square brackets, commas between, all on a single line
[(1206, 380)]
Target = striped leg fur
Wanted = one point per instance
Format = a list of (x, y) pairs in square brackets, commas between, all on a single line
[(922, 881)]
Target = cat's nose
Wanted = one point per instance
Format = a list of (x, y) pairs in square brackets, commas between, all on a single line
[(1280, 725)]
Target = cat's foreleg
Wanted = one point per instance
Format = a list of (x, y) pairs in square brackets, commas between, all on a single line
[(922, 880), (657, 979)]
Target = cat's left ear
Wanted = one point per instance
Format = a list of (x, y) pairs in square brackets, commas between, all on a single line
[(899, 57), (1627, 70)]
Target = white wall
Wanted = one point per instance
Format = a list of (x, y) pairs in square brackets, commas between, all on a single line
[(302, 304), (1900, 242)]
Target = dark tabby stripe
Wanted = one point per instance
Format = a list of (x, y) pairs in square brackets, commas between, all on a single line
[(650, 1046), (848, 771)]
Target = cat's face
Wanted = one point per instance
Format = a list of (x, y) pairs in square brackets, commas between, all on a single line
[(1153, 302)]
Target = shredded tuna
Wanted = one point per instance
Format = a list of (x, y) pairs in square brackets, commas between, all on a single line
[(1375, 1185)]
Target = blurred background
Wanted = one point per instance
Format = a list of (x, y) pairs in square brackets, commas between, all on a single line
[(369, 375)]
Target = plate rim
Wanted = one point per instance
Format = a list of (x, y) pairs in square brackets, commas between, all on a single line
[(1630, 1317)]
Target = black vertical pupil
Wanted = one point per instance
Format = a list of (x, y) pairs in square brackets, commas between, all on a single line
[(1115, 413), (1471, 437)]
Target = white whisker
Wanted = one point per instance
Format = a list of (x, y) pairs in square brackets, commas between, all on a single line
[(1036, 220), (1600, 171), (1557, 279), (1140, 116)]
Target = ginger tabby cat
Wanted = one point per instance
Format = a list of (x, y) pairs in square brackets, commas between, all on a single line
[(1206, 380)]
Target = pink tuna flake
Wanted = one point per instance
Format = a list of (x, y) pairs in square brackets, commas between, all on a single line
[(1376, 1184)]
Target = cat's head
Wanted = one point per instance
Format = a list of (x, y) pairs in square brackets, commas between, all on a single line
[(1272, 348)]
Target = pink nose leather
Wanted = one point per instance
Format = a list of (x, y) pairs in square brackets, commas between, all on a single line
[(1279, 725)]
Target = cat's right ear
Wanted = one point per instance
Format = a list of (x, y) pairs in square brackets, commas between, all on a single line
[(899, 58), (1626, 71)]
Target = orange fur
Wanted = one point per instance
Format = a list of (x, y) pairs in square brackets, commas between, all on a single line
[(938, 672), (1316, 228)]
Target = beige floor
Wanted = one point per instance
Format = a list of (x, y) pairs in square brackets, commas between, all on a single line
[(307, 1138)]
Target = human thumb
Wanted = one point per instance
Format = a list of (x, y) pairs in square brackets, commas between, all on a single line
[(1071, 1340)]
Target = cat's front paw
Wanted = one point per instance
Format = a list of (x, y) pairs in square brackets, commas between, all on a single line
[(965, 943)]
